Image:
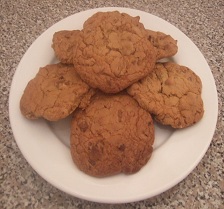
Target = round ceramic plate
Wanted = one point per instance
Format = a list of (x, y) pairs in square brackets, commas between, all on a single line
[(46, 145)]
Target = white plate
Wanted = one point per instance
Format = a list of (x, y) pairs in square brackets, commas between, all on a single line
[(45, 145)]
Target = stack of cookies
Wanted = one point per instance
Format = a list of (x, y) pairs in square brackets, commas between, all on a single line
[(111, 79)]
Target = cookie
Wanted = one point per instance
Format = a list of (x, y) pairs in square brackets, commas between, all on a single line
[(53, 94), (96, 19), (112, 135), (63, 43), (114, 52), (172, 93), (165, 45)]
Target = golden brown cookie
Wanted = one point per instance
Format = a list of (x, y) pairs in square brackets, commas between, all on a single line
[(112, 135), (113, 53), (165, 44), (63, 43), (96, 19), (53, 94), (172, 93)]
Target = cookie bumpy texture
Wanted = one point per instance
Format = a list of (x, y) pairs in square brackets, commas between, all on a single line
[(53, 94), (172, 93), (112, 135), (113, 51), (166, 45), (63, 43)]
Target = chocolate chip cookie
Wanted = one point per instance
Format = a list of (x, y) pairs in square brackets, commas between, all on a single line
[(63, 43), (114, 52), (165, 45), (112, 135), (172, 93), (54, 93)]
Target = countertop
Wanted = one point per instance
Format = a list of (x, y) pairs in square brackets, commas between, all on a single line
[(21, 22)]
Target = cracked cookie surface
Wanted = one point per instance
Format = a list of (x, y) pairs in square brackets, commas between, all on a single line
[(112, 135), (53, 94), (165, 45), (63, 43), (172, 93), (113, 52)]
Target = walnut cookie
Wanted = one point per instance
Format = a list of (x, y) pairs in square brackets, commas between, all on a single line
[(112, 135), (63, 43), (114, 52), (172, 93), (53, 94), (165, 44)]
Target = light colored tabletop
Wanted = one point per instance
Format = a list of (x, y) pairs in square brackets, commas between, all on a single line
[(21, 22)]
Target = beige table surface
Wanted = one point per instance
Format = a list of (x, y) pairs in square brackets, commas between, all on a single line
[(21, 22)]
